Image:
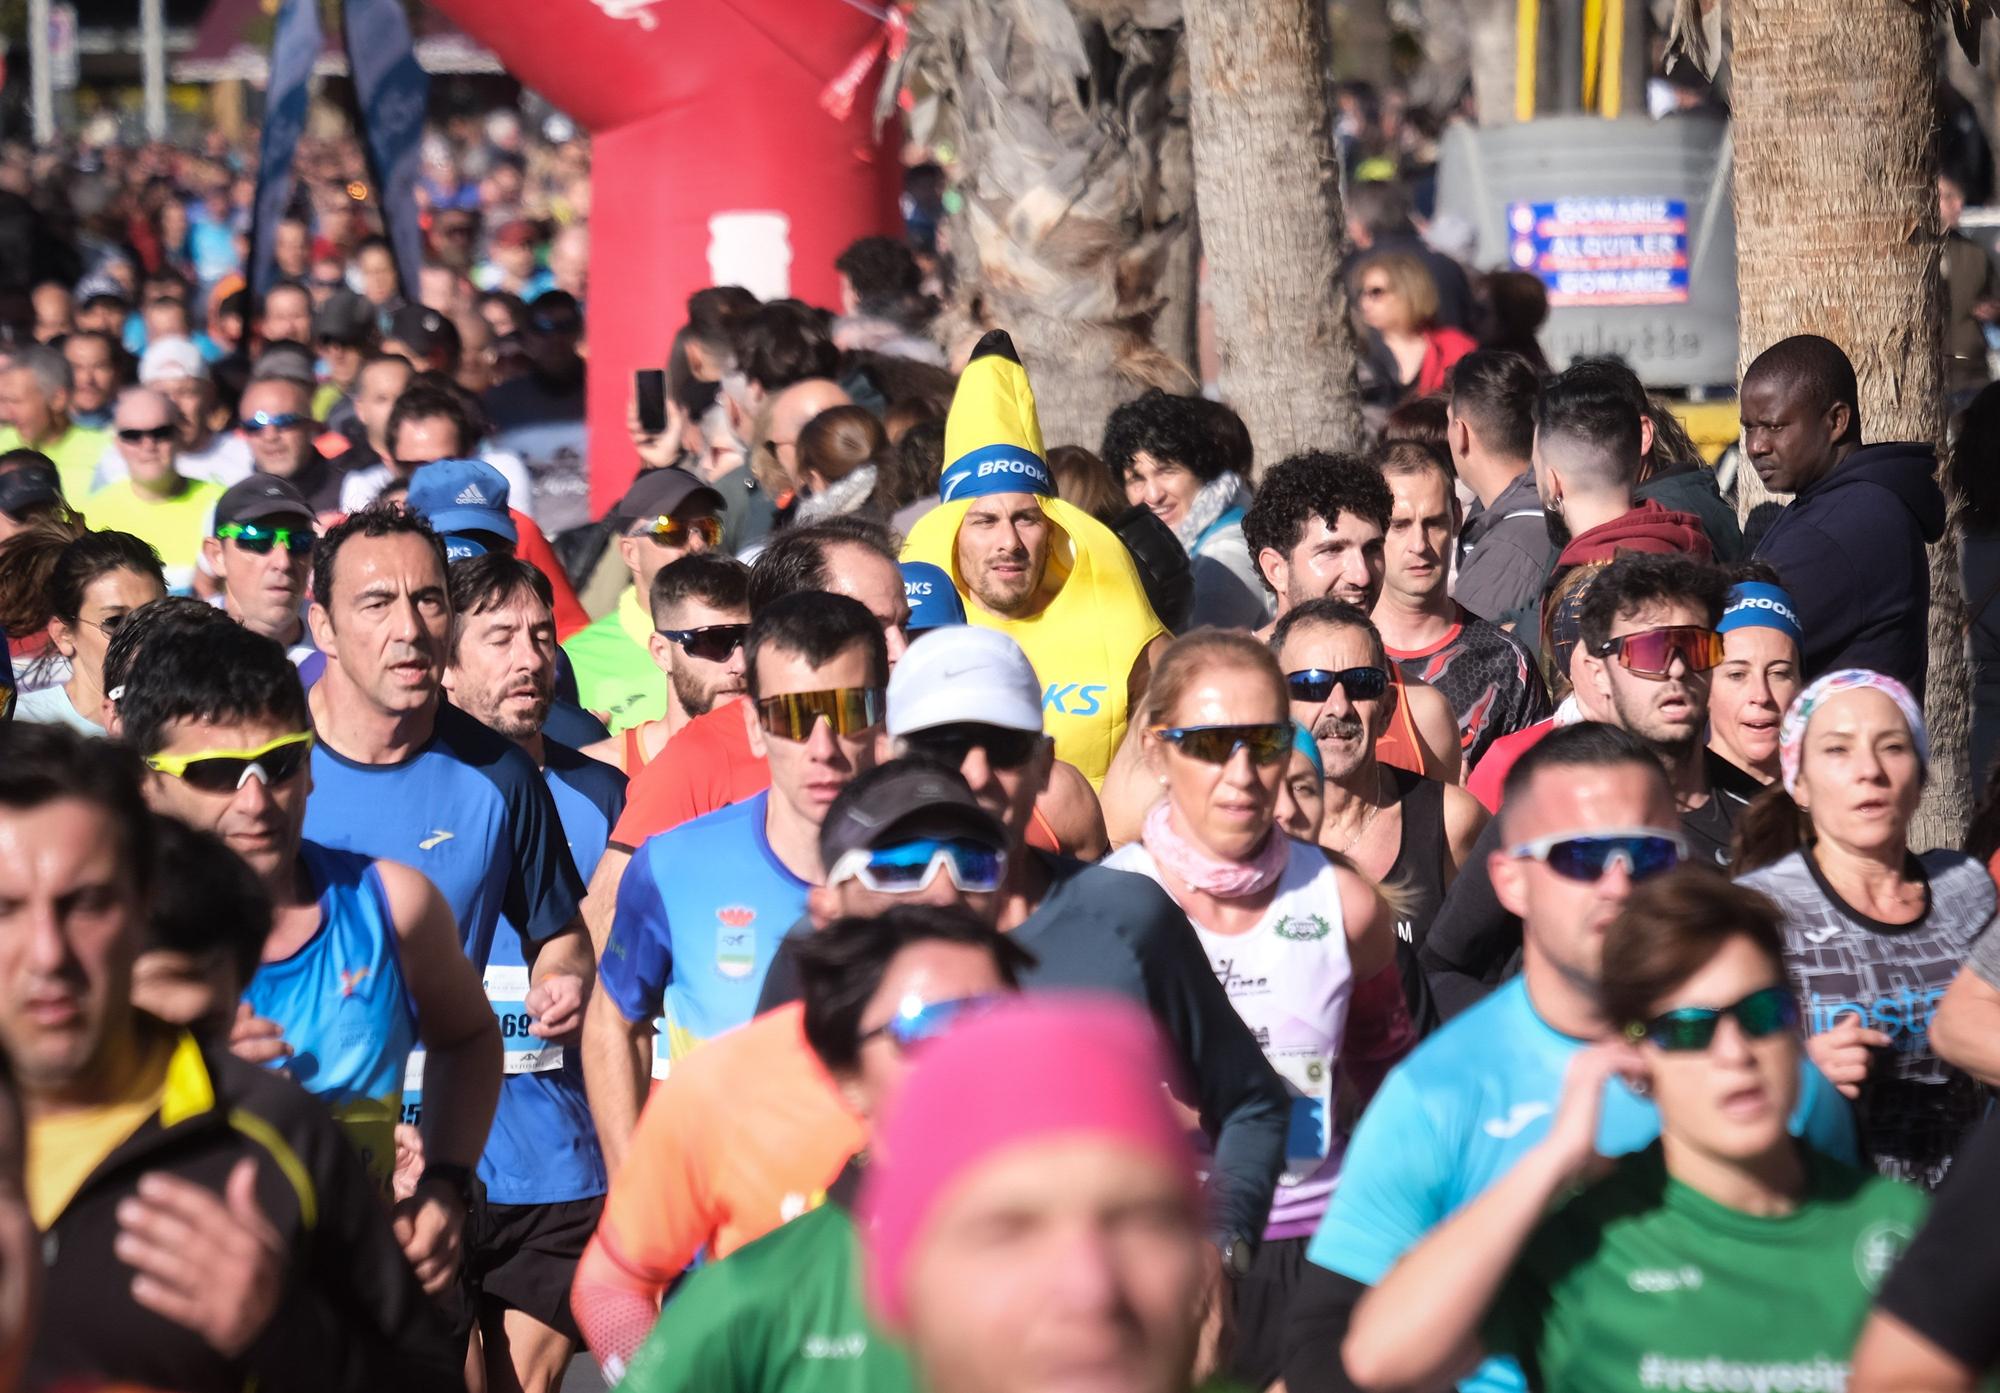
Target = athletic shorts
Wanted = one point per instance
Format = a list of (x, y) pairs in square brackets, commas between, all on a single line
[(1263, 1302), (524, 1256)]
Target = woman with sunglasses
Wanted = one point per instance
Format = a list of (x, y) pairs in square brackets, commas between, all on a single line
[(1758, 676), (77, 587), (1726, 1255), (1409, 352), (1305, 949), (1873, 933)]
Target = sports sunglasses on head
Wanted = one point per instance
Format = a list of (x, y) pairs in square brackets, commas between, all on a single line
[(1650, 653), (849, 710), (904, 868), (1218, 744), (1317, 683), (1760, 1015), (1586, 856), (711, 643), (917, 1021), (225, 771)]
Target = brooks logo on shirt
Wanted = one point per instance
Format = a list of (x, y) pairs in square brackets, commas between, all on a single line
[(1517, 1119), (438, 837)]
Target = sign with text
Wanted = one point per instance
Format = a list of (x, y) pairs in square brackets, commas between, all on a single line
[(1603, 251)]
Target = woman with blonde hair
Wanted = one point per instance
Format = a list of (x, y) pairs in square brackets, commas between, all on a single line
[(1398, 303)]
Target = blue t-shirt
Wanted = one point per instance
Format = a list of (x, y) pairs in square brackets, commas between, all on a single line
[(1457, 1114), (700, 912), (344, 1006), (471, 812), (543, 1146)]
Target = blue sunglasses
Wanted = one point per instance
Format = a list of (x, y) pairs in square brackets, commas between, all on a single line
[(917, 1021)]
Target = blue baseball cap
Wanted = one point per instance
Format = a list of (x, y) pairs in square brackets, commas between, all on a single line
[(462, 495), (932, 598)]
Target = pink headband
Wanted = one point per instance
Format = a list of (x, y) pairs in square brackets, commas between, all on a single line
[(1023, 1072), (1792, 730)]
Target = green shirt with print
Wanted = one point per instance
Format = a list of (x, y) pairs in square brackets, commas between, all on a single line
[(784, 1314), (1639, 1283)]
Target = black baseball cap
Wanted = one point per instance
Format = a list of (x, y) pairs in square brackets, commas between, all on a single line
[(30, 484), (261, 497), (424, 330), (345, 318), (657, 492), (906, 799)]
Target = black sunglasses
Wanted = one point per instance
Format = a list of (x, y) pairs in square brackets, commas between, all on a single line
[(1759, 1015), (711, 643), (132, 435), (1005, 748), (1317, 683)]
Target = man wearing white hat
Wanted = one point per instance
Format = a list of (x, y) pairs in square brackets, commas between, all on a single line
[(175, 368)]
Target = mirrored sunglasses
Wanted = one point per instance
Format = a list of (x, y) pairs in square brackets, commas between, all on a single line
[(904, 868), (1652, 652), (711, 643), (254, 537), (260, 421), (849, 710), (675, 532), (1643, 851), (917, 1021), (1218, 744), (1760, 1015)]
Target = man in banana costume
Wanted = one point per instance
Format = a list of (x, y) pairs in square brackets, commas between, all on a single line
[(1047, 574)]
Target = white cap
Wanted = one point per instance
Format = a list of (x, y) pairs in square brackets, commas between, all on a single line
[(169, 360), (962, 672)]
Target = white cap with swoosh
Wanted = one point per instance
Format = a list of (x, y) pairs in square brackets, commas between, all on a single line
[(962, 673)]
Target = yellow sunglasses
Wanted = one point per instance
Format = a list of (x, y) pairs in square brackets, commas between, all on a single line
[(225, 771)]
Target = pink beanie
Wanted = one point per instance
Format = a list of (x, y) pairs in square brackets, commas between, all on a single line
[(1030, 1069)]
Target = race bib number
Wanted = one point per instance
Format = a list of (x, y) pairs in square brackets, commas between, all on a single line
[(507, 990), (1308, 1139)]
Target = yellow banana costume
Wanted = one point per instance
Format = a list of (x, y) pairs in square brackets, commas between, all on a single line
[(1085, 639)]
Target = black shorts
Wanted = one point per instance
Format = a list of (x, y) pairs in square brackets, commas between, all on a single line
[(524, 1256), (1263, 1303)]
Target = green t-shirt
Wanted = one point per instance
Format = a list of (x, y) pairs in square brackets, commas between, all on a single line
[(784, 1314), (1639, 1283), (615, 674)]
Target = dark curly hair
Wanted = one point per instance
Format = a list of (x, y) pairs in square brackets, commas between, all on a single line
[(1314, 484), (1171, 429), (882, 271), (1634, 581), (783, 342)]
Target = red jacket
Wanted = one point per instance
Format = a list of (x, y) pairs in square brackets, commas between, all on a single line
[(1443, 347)]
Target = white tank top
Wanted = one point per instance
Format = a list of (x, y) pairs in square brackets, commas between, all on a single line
[(1291, 980)]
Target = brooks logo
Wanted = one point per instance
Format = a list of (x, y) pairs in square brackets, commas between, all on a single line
[(437, 837)]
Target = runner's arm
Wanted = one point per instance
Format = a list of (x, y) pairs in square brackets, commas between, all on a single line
[(1966, 1030), (1464, 820), (1893, 1358), (1465, 954), (633, 972), (454, 1020)]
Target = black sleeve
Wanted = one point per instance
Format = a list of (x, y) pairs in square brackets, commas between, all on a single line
[(1947, 1286), (1243, 1102), (781, 983), (1473, 938), (1322, 1305)]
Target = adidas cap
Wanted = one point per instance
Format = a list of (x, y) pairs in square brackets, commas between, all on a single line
[(462, 495)]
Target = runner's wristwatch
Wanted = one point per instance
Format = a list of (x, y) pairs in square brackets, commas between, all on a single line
[(1236, 1256)]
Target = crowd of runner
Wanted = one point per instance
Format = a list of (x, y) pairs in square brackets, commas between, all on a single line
[(895, 905)]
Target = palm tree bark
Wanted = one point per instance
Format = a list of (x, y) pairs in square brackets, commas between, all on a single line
[(1837, 234), (1060, 111), (1268, 186)]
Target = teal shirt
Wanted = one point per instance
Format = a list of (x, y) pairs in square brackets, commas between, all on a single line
[(615, 673), (784, 1314)]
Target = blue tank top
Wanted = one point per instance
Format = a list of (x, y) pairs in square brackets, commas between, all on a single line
[(344, 1007)]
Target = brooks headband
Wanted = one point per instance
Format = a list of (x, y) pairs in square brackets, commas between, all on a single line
[(995, 469), (1753, 604)]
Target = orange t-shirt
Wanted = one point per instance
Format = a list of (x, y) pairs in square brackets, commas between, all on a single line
[(745, 1133), (707, 765), (1398, 746)]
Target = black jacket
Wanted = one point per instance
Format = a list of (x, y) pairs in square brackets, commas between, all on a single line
[(1850, 551), (353, 1318), (1692, 489)]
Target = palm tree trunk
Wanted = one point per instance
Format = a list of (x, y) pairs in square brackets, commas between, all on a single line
[(1059, 111), (1269, 190), (1837, 234)]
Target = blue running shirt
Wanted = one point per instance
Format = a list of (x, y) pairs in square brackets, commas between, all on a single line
[(700, 912), (344, 1007), (543, 1146), (1457, 1114)]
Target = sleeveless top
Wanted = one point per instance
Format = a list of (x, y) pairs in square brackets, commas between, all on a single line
[(1291, 981), (635, 750), (1416, 878), (344, 1007), (1398, 746)]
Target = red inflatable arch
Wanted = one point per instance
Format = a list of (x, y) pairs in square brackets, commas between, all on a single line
[(713, 161)]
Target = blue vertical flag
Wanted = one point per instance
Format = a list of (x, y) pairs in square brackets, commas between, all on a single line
[(392, 92), (294, 47)]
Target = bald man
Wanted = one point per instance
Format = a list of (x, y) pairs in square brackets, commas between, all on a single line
[(154, 500), (1850, 547), (790, 412)]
